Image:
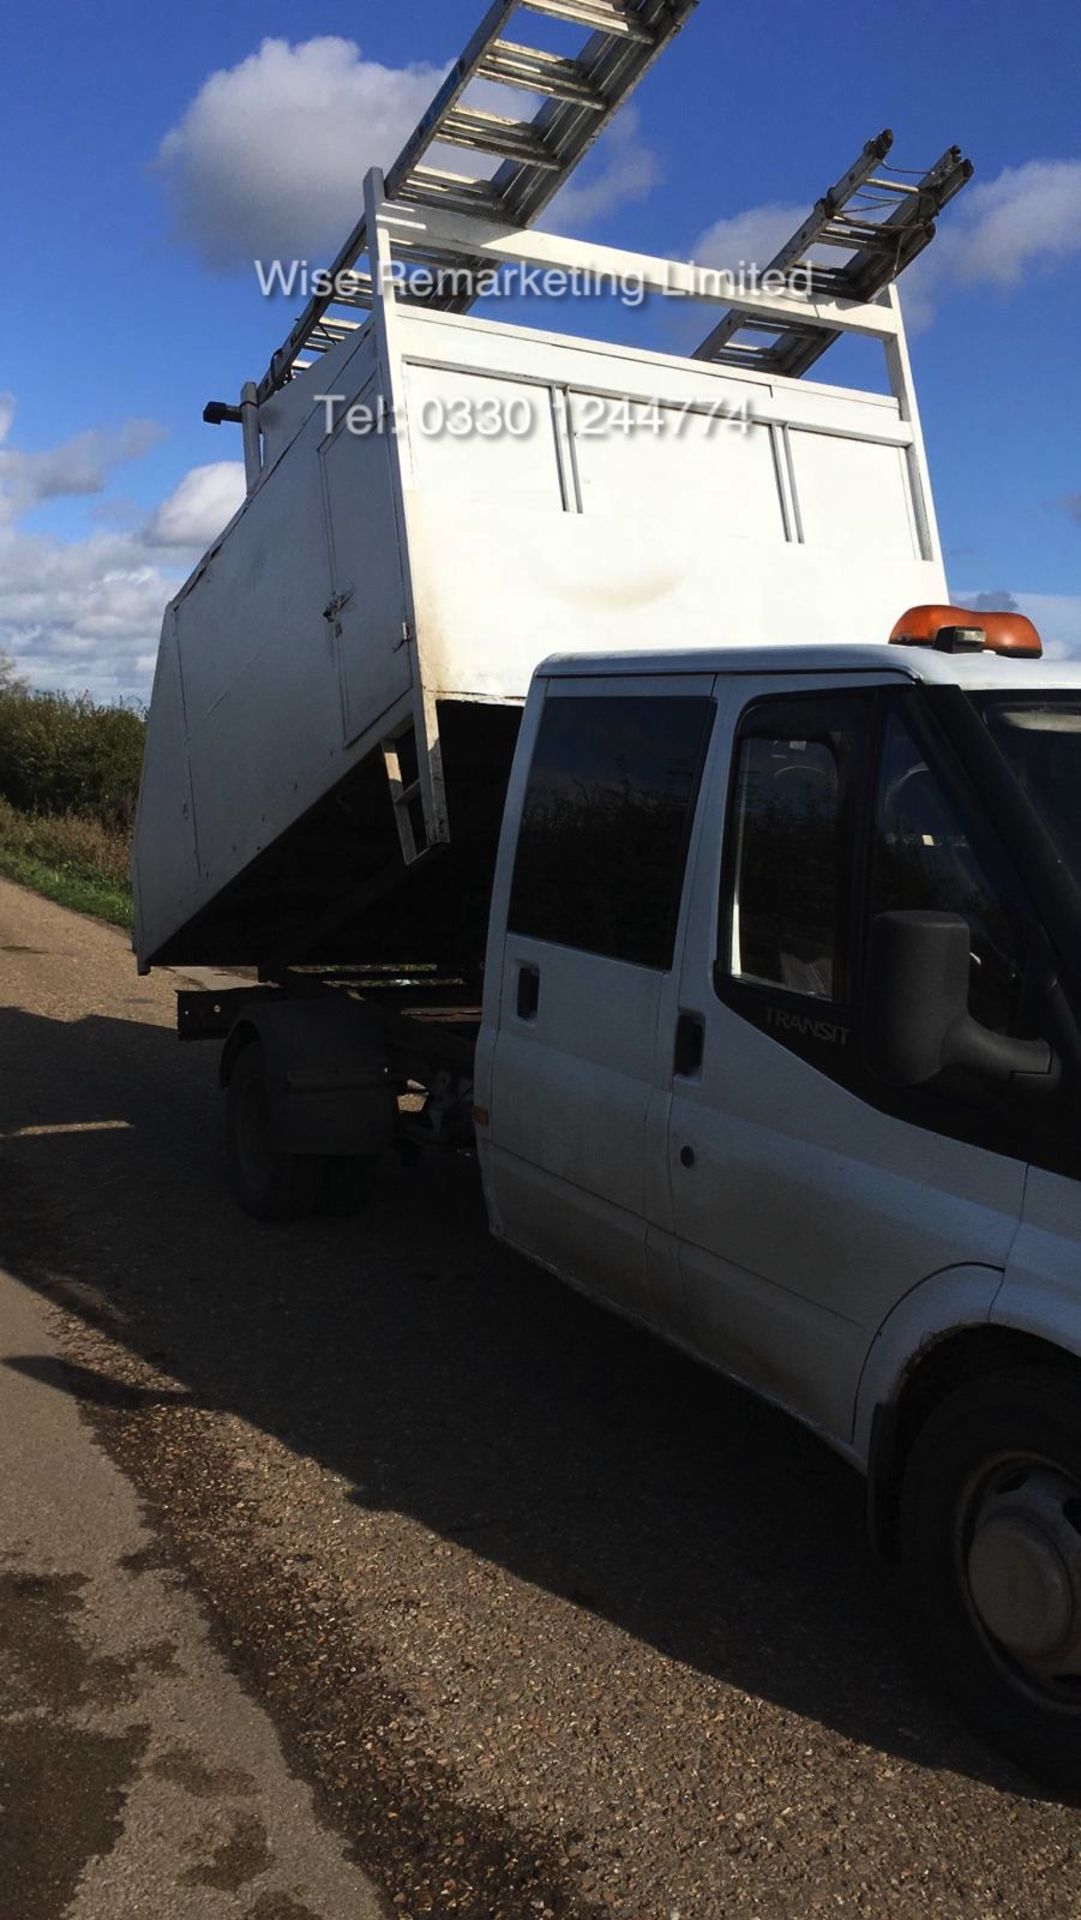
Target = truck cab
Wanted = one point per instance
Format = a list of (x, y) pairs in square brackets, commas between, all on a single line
[(779, 1058)]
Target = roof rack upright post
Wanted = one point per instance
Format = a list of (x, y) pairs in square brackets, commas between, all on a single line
[(903, 388)]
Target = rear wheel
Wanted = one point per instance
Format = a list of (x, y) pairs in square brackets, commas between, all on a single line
[(268, 1184), (991, 1548)]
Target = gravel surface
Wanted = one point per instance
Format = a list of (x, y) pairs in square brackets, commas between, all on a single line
[(554, 1622)]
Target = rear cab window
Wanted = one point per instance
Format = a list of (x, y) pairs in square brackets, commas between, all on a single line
[(606, 821)]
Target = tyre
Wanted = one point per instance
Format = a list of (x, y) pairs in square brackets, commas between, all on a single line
[(991, 1554), (267, 1184)]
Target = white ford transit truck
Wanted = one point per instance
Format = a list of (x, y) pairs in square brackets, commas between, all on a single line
[(749, 970)]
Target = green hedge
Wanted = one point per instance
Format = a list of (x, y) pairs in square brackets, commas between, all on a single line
[(69, 858), (62, 753)]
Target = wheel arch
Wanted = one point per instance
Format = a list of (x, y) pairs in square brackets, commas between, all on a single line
[(938, 1368)]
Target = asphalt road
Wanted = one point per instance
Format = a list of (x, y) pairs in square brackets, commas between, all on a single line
[(551, 1621)]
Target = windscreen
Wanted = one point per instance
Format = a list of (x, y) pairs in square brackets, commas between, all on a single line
[(1041, 739)]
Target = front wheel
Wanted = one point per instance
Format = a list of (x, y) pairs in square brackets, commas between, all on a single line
[(268, 1184), (991, 1550)]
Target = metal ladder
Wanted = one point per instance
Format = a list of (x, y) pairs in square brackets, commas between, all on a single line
[(578, 95), (881, 222)]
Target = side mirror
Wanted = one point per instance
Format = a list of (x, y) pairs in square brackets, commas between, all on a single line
[(916, 1017)]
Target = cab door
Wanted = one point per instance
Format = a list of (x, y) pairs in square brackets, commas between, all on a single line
[(806, 1198), (591, 905)]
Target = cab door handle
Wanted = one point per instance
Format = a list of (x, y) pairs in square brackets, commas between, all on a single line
[(690, 1045)]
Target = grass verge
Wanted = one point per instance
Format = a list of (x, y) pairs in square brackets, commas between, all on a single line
[(69, 858)]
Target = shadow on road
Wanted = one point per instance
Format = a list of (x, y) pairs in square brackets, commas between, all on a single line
[(449, 1381)]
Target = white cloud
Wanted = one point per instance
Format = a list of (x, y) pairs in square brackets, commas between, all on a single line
[(998, 600), (269, 159), (749, 239), (999, 233), (80, 465), (1057, 616), (198, 509), (1027, 220), (86, 613), (82, 614), (628, 170)]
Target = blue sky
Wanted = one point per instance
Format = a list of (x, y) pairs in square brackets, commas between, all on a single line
[(126, 303)]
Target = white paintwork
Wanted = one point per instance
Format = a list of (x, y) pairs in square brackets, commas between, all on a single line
[(1040, 1291), (816, 521), (817, 1244), (979, 672), (247, 720), (572, 1094), (807, 1214), (569, 1100), (662, 543)]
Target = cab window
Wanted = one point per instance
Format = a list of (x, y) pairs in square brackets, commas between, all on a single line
[(923, 856), (792, 844), (840, 811), (602, 846)]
